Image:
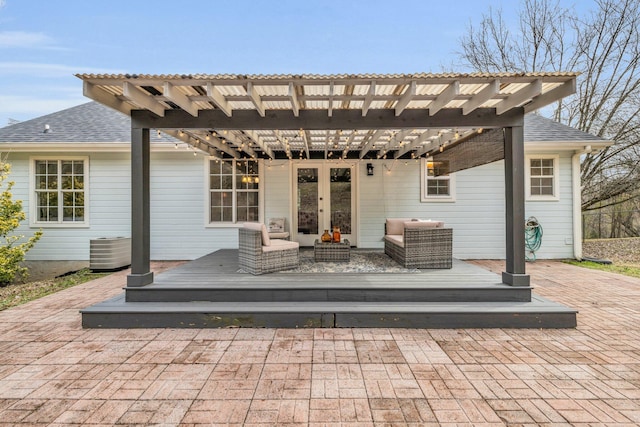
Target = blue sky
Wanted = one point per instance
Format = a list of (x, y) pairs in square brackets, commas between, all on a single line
[(43, 43)]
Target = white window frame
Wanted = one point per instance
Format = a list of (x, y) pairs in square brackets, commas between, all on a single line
[(424, 197), (33, 200), (207, 188), (556, 178)]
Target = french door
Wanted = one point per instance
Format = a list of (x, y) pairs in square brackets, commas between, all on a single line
[(324, 198)]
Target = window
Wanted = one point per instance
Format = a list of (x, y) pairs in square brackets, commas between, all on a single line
[(542, 177), (437, 183), (234, 187), (59, 188)]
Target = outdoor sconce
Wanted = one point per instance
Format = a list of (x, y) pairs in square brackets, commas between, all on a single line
[(370, 169)]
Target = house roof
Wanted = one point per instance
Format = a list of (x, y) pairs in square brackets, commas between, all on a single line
[(94, 123), (86, 123), (542, 129)]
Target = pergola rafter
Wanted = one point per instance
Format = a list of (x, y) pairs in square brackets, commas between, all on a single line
[(403, 95)]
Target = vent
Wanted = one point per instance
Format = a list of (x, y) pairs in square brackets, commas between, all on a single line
[(110, 253)]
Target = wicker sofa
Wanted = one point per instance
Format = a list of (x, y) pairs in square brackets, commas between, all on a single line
[(258, 254), (418, 244)]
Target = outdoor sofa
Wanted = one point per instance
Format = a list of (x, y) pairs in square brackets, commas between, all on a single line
[(259, 254), (415, 243)]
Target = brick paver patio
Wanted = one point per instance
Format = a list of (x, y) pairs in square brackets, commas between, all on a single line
[(52, 372)]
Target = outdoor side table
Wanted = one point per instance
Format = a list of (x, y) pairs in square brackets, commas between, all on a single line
[(331, 252)]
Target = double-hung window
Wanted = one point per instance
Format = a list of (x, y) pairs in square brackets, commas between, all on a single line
[(437, 184), (234, 191), (59, 191), (542, 177)]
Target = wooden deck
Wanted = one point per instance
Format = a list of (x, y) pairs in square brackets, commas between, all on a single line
[(210, 292)]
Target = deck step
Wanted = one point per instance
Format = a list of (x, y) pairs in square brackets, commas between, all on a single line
[(343, 291), (537, 313)]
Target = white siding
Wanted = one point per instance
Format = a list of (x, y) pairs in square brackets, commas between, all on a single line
[(109, 206), (179, 228), (277, 191), (555, 217), (178, 209), (178, 200), (477, 215)]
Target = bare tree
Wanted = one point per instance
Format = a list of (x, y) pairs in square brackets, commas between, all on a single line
[(604, 45)]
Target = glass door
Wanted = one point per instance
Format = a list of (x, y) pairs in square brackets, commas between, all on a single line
[(325, 198)]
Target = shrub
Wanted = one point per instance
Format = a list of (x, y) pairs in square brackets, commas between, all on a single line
[(11, 214)]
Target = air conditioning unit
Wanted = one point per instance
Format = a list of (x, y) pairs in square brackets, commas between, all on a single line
[(109, 253)]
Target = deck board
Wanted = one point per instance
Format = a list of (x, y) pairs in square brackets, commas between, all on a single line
[(210, 292)]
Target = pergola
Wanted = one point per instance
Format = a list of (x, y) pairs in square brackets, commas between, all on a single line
[(365, 116)]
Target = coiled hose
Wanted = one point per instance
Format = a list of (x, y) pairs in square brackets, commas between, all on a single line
[(532, 237)]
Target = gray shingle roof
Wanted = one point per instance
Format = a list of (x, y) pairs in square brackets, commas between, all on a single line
[(94, 122), (90, 122), (541, 129)]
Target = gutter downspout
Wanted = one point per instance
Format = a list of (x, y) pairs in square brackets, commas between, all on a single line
[(577, 201)]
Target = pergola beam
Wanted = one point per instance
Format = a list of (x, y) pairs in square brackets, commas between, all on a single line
[(101, 96), (396, 138), (481, 97), (242, 145), (406, 98), (348, 144), (212, 144), (330, 107), (516, 99), (306, 140), (372, 140), (368, 99), (416, 143), (180, 99), (255, 98), (257, 139), (218, 99), (293, 99), (429, 148), (134, 94), (445, 96), (318, 119), (284, 142), (565, 89)]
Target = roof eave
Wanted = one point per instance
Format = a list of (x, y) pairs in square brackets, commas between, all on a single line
[(539, 146), (66, 147)]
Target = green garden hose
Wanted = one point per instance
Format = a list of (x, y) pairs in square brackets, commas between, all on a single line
[(532, 237)]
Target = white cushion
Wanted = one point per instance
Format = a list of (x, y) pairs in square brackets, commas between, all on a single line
[(396, 239), (279, 235), (396, 225), (260, 227), (424, 224), (280, 245)]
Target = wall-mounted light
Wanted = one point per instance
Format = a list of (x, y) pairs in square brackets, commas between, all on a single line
[(370, 169)]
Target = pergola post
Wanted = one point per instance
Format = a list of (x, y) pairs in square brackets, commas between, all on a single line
[(514, 197), (141, 273)]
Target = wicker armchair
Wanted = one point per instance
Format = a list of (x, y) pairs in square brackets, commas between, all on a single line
[(258, 254), (418, 244)]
